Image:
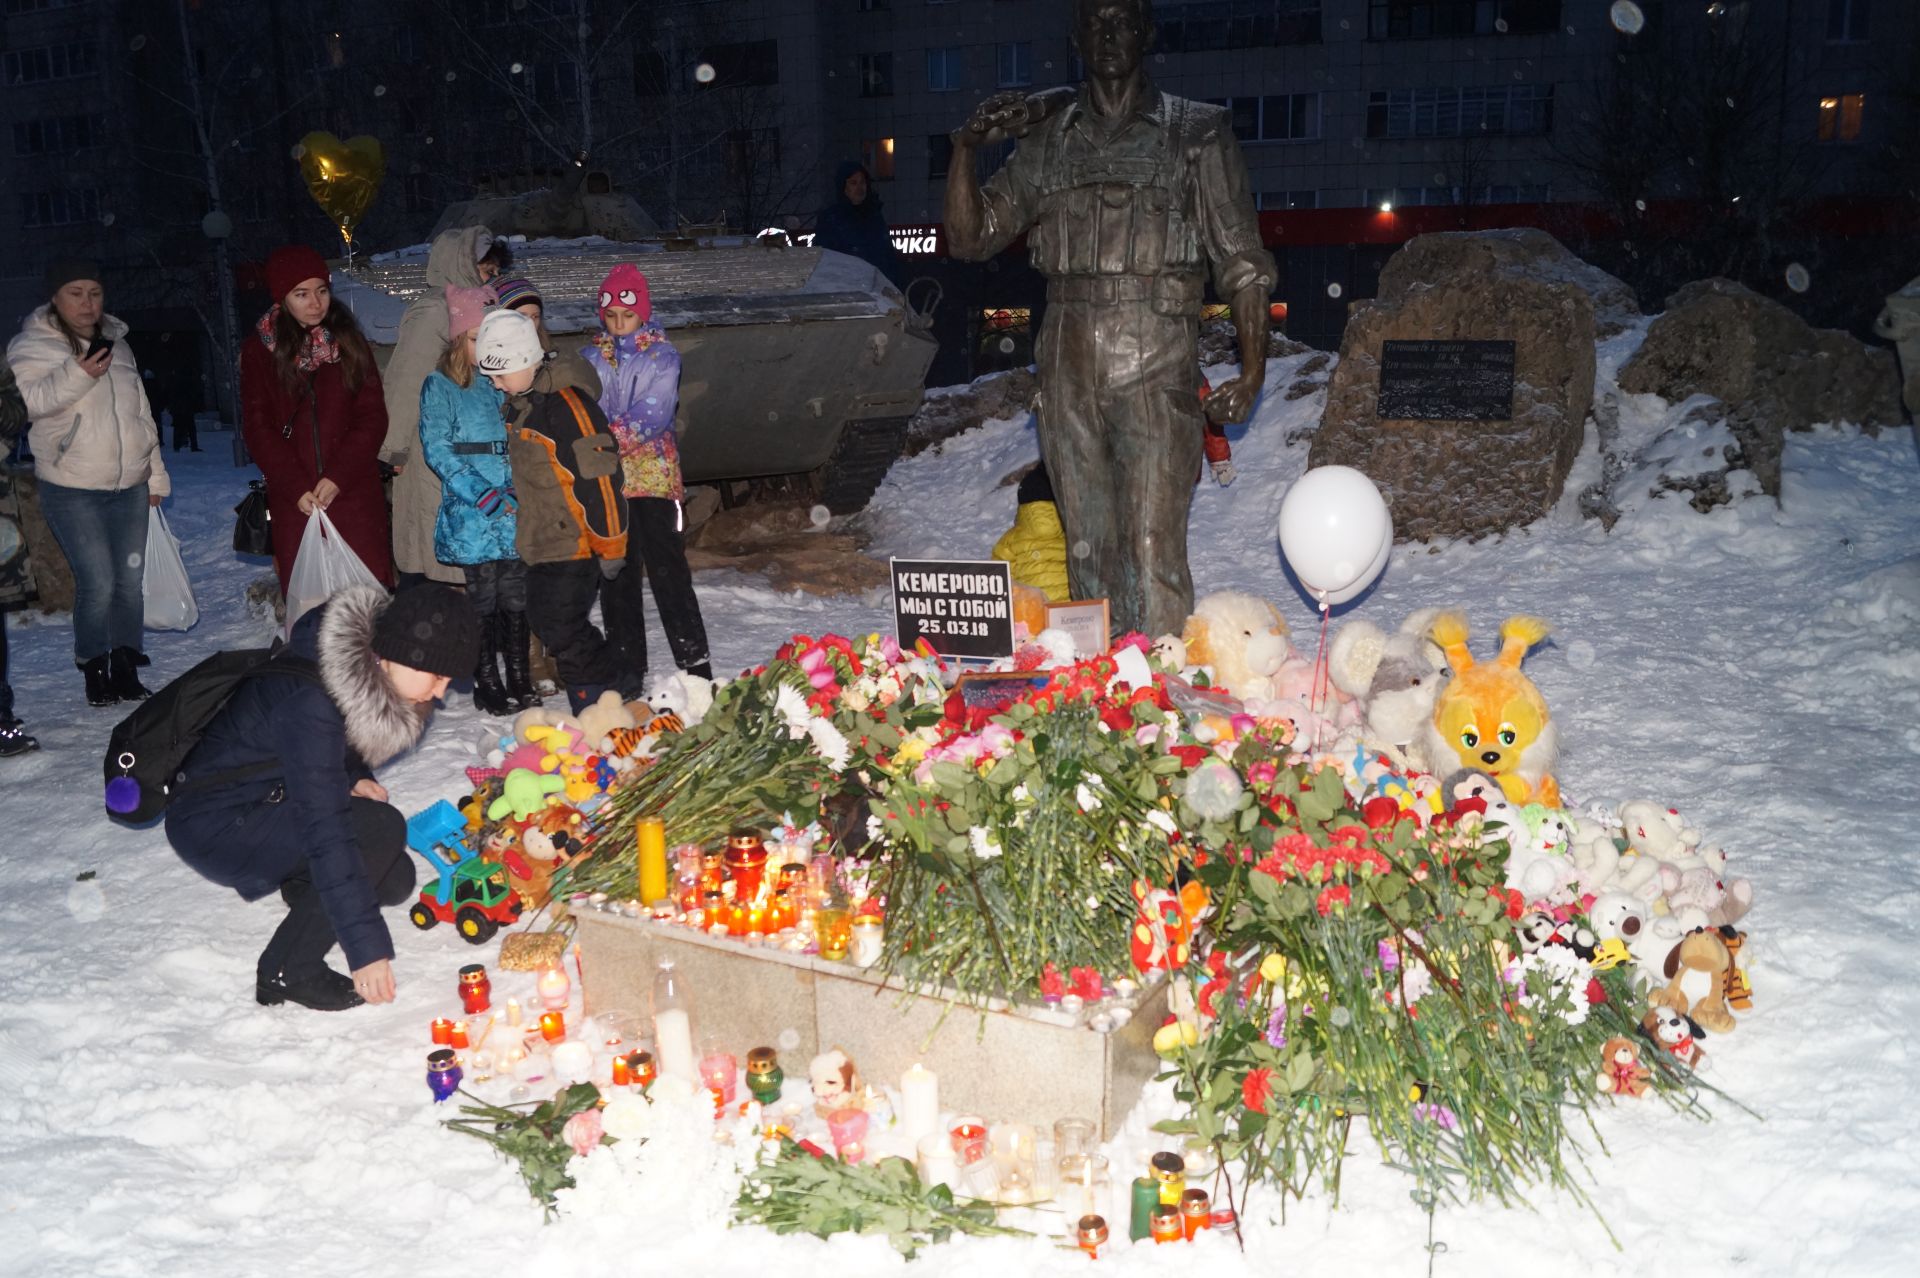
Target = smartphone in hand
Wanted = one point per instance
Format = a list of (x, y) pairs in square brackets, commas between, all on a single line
[(101, 342)]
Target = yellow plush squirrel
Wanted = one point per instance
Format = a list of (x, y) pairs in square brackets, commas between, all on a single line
[(1490, 717)]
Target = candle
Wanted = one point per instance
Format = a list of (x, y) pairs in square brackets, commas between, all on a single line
[(1170, 1171), (969, 1137), (1093, 1234), (938, 1166), (553, 1026), (717, 1074), (475, 990), (673, 1037), (573, 1061), (746, 863), (764, 1075), (848, 1127), (443, 1073), (1146, 1196), (640, 1065), (919, 1102), (650, 841), (622, 1072), (555, 988), (867, 938), (458, 1038), (833, 929), (442, 1030), (1196, 1213), (513, 1013), (1165, 1225)]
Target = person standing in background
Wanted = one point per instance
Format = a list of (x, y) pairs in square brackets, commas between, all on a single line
[(183, 403), (16, 567), (98, 457), (853, 222), (639, 372), (563, 368), (313, 414), (465, 257)]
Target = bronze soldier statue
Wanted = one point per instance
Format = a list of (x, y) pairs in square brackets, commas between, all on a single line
[(1132, 196)]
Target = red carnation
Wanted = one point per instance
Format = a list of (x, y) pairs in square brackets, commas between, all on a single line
[(1381, 812), (1257, 1090)]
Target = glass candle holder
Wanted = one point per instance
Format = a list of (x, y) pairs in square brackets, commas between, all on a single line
[(443, 1073), (640, 1069), (969, 1137), (1085, 1183), (833, 931), (482, 1063), (865, 940), (719, 1075), (938, 1164), (1165, 1225), (553, 1026), (1073, 1136), (746, 864), (1196, 1213), (476, 991), (764, 1075), (848, 1127), (1170, 1172), (555, 988), (1092, 1234)]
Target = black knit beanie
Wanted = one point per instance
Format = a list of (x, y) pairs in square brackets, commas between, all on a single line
[(430, 628), (63, 271)]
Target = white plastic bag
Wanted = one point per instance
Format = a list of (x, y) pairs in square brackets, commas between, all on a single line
[(169, 595), (325, 565)]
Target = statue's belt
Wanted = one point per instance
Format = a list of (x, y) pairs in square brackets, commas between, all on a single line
[(1178, 291)]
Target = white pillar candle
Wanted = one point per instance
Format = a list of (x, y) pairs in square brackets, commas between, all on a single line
[(513, 1013), (919, 1103), (573, 1061), (938, 1163), (673, 1045)]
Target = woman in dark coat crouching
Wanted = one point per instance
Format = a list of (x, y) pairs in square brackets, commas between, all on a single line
[(287, 799)]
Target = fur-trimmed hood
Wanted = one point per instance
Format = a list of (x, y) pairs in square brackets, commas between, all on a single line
[(380, 722)]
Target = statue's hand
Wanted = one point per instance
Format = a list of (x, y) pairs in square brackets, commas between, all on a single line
[(1005, 114), (1232, 400)]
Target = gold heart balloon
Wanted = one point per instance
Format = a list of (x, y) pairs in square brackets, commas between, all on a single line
[(343, 177)]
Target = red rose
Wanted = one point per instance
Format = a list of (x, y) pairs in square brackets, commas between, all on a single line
[(1257, 1091), (1189, 756), (1381, 812)]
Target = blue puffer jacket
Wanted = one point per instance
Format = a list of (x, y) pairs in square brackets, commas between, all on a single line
[(465, 443), (253, 834)]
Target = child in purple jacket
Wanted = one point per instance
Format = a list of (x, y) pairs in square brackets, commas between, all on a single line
[(639, 372)]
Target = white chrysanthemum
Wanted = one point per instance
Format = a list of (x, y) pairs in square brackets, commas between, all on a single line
[(1214, 790), (984, 845), (1020, 793), (1159, 820), (791, 706), (1083, 795), (830, 743), (1554, 978)]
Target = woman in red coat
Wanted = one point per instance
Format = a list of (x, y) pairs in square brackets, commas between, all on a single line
[(314, 415)]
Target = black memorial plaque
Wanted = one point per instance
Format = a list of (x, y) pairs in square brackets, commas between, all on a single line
[(1446, 381), (962, 608)]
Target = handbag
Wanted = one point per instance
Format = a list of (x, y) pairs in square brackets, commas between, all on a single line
[(253, 522)]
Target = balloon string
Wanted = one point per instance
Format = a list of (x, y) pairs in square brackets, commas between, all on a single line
[(1322, 679)]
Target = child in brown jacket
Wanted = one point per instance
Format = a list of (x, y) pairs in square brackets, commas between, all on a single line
[(572, 520)]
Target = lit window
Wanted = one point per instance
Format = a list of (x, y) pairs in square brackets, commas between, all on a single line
[(1840, 117), (877, 155)]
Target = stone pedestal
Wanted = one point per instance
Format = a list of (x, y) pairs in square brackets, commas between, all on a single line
[(1019, 1064)]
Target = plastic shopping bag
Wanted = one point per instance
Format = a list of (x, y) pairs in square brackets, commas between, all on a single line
[(325, 565), (169, 595)]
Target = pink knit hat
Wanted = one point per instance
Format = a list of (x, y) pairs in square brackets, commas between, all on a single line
[(625, 286), (466, 307)]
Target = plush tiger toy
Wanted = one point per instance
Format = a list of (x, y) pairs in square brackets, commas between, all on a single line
[(625, 743)]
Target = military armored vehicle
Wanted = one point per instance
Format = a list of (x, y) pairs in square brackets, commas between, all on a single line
[(794, 361)]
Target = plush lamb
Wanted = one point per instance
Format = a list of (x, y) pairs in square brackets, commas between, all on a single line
[(1395, 678)]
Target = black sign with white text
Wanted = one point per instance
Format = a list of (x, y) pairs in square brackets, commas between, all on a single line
[(1446, 381), (962, 608)]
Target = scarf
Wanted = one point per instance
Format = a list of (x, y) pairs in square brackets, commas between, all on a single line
[(318, 349)]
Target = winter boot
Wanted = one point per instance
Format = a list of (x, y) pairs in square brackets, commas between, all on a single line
[(324, 991), (14, 739), (515, 649), (704, 669), (123, 675), (489, 694), (99, 685)]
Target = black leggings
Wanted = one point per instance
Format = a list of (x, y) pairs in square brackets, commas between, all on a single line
[(299, 947)]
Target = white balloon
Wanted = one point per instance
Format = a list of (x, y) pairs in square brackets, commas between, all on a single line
[(1365, 579), (1335, 531)]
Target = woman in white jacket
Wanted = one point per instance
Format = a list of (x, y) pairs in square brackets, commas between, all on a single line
[(98, 458)]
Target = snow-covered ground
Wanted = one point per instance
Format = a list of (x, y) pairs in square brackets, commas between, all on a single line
[(1756, 668)]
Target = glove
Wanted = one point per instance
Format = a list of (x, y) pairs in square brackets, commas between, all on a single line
[(1223, 472), (596, 457), (610, 568), (494, 500)]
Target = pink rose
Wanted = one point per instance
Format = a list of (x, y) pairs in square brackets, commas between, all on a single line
[(583, 1131)]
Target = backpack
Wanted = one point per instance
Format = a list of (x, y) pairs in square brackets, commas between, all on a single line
[(148, 747)]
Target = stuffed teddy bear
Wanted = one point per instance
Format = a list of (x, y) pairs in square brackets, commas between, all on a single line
[(1243, 640), (1537, 863), (1658, 832), (1618, 919), (1492, 717), (1604, 865), (600, 719), (1621, 1072), (1703, 896), (1394, 679)]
